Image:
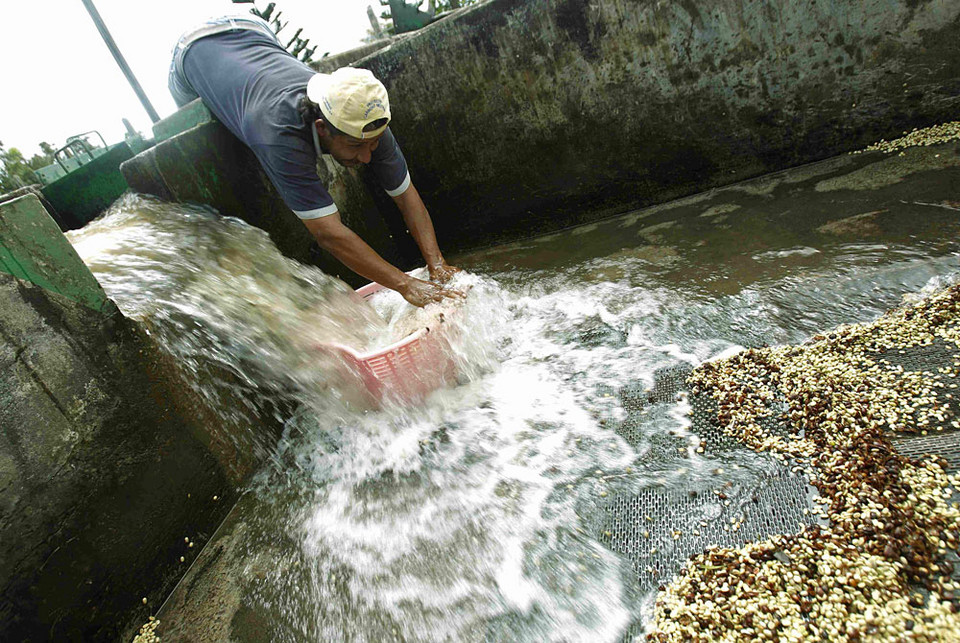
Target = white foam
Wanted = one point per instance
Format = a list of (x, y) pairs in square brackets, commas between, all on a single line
[(800, 251)]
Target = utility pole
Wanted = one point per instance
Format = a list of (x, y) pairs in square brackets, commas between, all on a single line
[(124, 67), (374, 23)]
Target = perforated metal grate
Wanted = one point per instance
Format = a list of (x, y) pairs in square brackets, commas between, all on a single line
[(945, 445), (668, 383), (659, 530), (937, 362)]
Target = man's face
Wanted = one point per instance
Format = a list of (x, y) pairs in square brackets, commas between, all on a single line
[(347, 150)]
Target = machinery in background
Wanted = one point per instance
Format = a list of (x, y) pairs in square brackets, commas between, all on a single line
[(85, 178)]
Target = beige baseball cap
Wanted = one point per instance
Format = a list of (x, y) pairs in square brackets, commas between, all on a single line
[(350, 99)]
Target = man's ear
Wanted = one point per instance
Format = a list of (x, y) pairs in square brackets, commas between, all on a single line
[(321, 126)]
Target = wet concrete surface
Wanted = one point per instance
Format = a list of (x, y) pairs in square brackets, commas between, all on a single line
[(855, 198)]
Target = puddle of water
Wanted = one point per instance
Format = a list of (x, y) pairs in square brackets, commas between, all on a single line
[(472, 517)]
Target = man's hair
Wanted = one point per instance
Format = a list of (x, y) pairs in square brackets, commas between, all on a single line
[(377, 124), (310, 112)]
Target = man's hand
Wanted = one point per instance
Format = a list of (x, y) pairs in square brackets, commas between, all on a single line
[(442, 272), (420, 293)]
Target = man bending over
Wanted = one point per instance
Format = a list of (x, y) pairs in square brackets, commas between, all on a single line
[(289, 115)]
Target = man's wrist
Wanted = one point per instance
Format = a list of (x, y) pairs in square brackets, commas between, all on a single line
[(401, 282)]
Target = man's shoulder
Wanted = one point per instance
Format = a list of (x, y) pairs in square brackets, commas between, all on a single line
[(276, 121)]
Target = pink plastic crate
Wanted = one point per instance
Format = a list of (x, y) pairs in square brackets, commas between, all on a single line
[(408, 369)]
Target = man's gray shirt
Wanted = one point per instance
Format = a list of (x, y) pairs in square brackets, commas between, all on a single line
[(253, 86)]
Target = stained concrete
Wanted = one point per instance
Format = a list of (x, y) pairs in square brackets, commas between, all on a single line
[(518, 117), (892, 169), (106, 464), (35, 191), (33, 248), (546, 113), (327, 64), (190, 115)]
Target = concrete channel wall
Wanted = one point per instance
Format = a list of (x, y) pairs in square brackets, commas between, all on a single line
[(523, 116), (33, 248), (106, 460)]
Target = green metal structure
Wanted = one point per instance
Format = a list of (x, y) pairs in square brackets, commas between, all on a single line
[(407, 16), (85, 177), (33, 248)]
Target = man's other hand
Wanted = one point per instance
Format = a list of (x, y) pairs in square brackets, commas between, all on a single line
[(442, 272), (420, 293)]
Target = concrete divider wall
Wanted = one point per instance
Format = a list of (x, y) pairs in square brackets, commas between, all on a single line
[(104, 467), (33, 248), (328, 64), (523, 116)]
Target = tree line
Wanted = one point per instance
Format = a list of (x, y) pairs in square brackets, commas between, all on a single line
[(16, 171)]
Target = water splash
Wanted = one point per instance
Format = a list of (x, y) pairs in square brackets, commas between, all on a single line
[(238, 318)]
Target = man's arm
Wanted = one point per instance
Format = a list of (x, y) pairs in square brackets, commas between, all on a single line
[(344, 244), (420, 225)]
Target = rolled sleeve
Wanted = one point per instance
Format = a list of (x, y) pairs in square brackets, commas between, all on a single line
[(400, 189), (389, 166), (317, 213)]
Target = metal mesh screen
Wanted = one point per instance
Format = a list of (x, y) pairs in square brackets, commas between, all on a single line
[(945, 444), (658, 530)]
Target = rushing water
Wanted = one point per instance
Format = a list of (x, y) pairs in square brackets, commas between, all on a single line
[(472, 516)]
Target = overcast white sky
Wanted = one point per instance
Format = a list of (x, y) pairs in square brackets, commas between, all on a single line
[(59, 79)]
